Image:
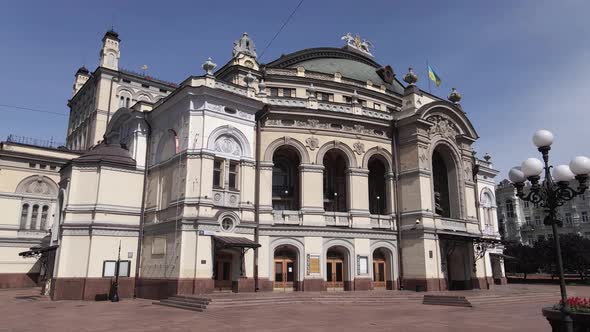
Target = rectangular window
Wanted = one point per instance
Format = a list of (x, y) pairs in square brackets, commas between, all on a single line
[(274, 92), (233, 175), (109, 268), (528, 220), (584, 216), (348, 99), (568, 218), (52, 167), (537, 220), (325, 96), (288, 92), (42, 166), (32, 165), (526, 204), (126, 81), (217, 171), (145, 86), (163, 91)]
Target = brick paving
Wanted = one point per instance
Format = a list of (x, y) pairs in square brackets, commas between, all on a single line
[(505, 308)]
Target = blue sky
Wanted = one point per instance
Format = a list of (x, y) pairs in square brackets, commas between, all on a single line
[(520, 65)]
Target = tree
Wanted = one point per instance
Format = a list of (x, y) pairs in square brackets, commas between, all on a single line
[(527, 261), (575, 251)]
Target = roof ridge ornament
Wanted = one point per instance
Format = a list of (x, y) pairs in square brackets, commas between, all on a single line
[(355, 42), (244, 45)]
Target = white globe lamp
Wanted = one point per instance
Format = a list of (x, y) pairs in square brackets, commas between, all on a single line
[(580, 165), (531, 167), (543, 138), (516, 175), (562, 173)]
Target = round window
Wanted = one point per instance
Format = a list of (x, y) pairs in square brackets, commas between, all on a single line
[(227, 224)]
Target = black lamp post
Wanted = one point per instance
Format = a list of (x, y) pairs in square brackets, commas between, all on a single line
[(115, 297), (550, 194)]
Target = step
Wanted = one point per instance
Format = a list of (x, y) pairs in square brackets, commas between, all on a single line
[(172, 305), (446, 300), (184, 303), (190, 299)]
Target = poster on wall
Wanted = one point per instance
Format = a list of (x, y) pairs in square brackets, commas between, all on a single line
[(363, 265), (313, 264)]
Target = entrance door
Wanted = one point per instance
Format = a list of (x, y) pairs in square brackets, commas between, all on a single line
[(223, 274), (284, 273), (379, 274), (334, 273)]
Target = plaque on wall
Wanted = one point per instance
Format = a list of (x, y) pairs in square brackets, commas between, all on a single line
[(313, 264), (363, 265)]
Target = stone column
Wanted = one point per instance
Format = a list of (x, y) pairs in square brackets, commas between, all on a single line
[(358, 197), (266, 192), (312, 193)]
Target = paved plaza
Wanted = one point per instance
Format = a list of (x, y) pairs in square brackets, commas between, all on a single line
[(506, 308)]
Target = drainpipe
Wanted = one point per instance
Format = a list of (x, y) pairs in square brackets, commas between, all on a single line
[(398, 214), (142, 210)]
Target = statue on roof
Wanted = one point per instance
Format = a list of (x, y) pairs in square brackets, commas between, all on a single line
[(244, 45), (357, 43)]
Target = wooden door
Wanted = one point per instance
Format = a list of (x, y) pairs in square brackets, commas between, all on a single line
[(223, 279), (379, 274), (284, 273), (335, 273)]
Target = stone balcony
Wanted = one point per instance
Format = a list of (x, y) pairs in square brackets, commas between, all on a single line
[(226, 198)]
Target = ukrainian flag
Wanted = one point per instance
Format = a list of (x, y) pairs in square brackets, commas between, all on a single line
[(433, 76)]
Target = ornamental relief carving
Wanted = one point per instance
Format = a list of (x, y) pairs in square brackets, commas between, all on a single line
[(314, 124), (359, 148), (442, 126), (312, 143), (38, 188), (228, 145)]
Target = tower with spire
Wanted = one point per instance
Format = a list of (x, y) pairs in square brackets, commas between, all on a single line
[(110, 53)]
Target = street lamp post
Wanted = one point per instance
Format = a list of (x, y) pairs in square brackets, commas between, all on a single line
[(115, 297), (550, 194)]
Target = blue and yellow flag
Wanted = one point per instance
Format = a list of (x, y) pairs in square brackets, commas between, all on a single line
[(433, 76)]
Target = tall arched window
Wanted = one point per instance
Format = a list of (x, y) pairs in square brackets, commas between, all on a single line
[(445, 178), (335, 188), (442, 204), (285, 179), (24, 215), (377, 186), (34, 216), (44, 212)]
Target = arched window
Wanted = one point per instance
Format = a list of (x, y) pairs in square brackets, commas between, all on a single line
[(121, 101), (335, 180), (285, 179), (442, 204), (34, 216), (377, 186), (445, 179), (24, 215), (44, 212)]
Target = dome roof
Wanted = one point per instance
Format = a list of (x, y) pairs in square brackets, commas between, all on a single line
[(83, 70), (107, 153), (350, 64)]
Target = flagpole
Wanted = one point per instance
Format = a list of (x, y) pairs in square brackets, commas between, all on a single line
[(428, 76)]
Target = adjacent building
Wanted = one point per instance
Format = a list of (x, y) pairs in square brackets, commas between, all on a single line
[(319, 170), (522, 221)]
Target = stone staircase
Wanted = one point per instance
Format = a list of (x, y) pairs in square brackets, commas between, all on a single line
[(193, 303), (232, 300), (446, 300)]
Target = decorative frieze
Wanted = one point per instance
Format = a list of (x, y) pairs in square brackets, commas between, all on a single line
[(443, 126)]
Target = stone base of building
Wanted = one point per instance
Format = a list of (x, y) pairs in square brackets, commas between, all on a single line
[(363, 284), (482, 283), (89, 289), (389, 285), (500, 281), (313, 285), (19, 280), (424, 284)]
